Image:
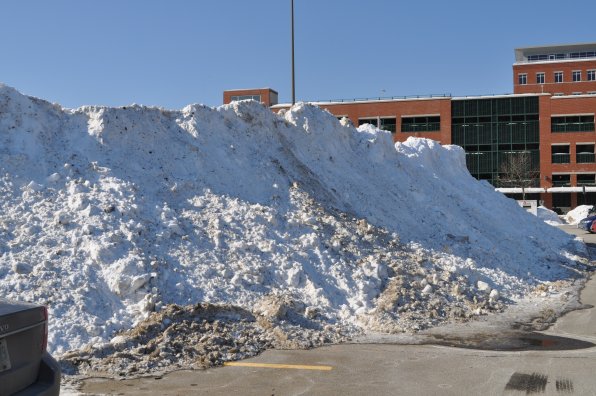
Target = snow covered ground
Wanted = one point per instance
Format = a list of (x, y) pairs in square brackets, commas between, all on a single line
[(110, 214)]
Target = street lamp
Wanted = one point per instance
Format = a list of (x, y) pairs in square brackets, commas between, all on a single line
[(293, 83)]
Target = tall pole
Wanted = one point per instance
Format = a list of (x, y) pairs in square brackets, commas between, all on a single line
[(293, 82)]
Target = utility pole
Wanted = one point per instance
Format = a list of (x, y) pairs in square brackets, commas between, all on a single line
[(293, 82)]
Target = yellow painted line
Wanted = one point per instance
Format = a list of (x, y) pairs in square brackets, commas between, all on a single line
[(279, 366)]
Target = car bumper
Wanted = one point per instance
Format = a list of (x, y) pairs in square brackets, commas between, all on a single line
[(584, 226), (48, 380)]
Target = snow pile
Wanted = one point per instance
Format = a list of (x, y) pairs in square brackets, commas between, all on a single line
[(110, 214), (548, 216), (575, 215)]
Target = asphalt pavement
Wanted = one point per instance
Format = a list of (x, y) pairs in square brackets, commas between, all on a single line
[(550, 368)]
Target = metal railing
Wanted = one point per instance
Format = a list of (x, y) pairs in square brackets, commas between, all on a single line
[(561, 183), (382, 98), (585, 158), (561, 158)]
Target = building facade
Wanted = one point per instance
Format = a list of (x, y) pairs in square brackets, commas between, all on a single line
[(539, 141)]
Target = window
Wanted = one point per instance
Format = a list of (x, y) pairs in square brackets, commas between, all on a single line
[(371, 121), (421, 124), (488, 128), (558, 77), (577, 75), (591, 75), (584, 153), (572, 123), (522, 78), (385, 123), (388, 124), (246, 97), (588, 179), (539, 78), (561, 181), (560, 154)]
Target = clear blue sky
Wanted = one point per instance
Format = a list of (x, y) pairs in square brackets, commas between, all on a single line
[(172, 53)]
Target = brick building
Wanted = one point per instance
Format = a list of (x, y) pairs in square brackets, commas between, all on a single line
[(547, 124)]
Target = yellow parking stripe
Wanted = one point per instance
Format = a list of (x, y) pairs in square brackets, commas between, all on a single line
[(279, 366)]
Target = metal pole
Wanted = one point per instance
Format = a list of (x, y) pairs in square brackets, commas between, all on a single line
[(293, 82)]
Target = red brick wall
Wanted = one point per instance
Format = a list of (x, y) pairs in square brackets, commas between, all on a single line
[(549, 68), (264, 92), (559, 106), (397, 109)]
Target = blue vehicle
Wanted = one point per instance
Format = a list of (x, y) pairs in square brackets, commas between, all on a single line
[(589, 223)]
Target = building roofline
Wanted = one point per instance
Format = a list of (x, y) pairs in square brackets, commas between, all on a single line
[(498, 96), (574, 96), (553, 61), (364, 101), (252, 89), (522, 53), (492, 96), (556, 46)]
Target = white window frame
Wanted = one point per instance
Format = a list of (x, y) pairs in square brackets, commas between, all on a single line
[(576, 73), (540, 76), (559, 73), (593, 72), (525, 78)]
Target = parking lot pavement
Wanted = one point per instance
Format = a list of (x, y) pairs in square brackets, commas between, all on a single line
[(385, 369), (381, 370), (586, 236)]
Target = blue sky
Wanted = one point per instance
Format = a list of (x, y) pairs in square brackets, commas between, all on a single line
[(172, 53)]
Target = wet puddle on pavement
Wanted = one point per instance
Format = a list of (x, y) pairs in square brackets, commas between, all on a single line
[(512, 342)]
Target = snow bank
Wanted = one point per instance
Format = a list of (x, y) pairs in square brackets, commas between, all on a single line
[(575, 215), (107, 214), (548, 216)]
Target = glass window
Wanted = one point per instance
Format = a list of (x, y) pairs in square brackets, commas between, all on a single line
[(577, 76), (371, 121), (584, 153), (572, 123), (246, 97), (421, 124), (561, 181), (522, 78), (560, 154), (591, 75), (539, 78), (586, 179), (388, 124), (558, 77)]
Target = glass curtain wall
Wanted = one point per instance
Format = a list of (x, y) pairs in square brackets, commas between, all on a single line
[(493, 131)]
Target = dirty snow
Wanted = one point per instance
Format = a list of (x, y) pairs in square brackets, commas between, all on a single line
[(110, 215), (549, 216), (575, 215)]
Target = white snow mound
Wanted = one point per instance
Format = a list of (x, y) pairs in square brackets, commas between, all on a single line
[(575, 215), (549, 216), (108, 213)]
